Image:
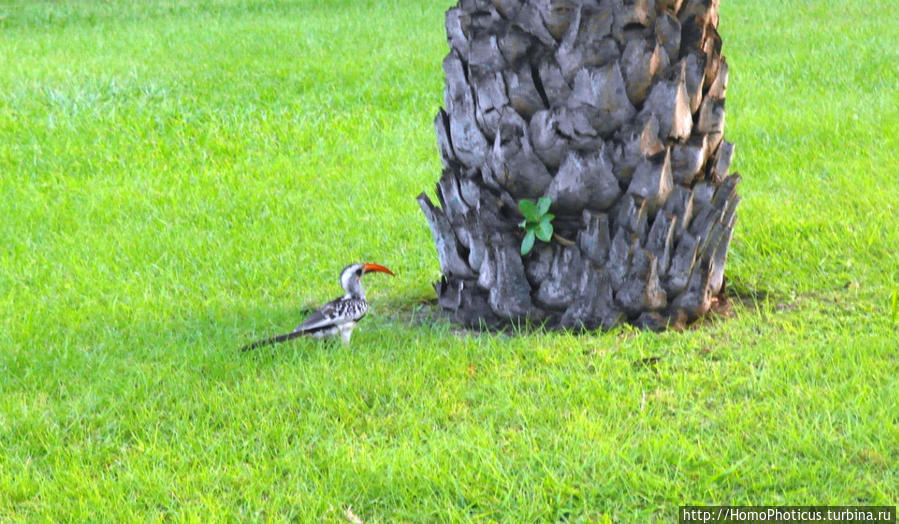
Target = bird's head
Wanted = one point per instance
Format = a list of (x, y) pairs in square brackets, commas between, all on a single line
[(350, 277)]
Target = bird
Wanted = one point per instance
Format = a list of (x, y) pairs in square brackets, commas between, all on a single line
[(337, 317)]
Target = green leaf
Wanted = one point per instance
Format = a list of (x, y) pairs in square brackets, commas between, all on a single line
[(529, 210), (548, 216), (528, 243), (543, 204), (544, 230), (522, 223)]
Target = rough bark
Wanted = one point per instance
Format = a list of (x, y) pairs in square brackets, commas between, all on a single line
[(615, 110)]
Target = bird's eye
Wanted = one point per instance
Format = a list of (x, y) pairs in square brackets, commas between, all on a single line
[(359, 272)]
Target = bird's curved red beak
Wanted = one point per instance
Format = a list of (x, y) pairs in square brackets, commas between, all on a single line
[(368, 268)]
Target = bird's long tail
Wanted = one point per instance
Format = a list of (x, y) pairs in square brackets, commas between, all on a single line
[(273, 340)]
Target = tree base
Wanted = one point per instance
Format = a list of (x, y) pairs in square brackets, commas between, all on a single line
[(620, 267)]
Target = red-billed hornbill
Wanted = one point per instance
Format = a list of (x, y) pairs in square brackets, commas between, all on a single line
[(338, 316)]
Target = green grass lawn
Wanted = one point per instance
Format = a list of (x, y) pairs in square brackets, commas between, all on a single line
[(179, 177)]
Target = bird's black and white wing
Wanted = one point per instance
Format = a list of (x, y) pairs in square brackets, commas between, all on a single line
[(333, 316), (337, 317)]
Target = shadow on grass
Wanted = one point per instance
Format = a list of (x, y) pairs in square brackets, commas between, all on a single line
[(236, 329), (417, 311)]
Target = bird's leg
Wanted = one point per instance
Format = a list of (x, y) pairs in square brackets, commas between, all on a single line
[(345, 333)]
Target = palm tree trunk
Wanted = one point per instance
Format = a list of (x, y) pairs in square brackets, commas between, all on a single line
[(615, 110)]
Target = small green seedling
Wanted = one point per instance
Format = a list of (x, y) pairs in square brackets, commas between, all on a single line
[(537, 222)]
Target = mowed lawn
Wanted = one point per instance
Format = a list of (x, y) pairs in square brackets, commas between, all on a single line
[(180, 177)]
